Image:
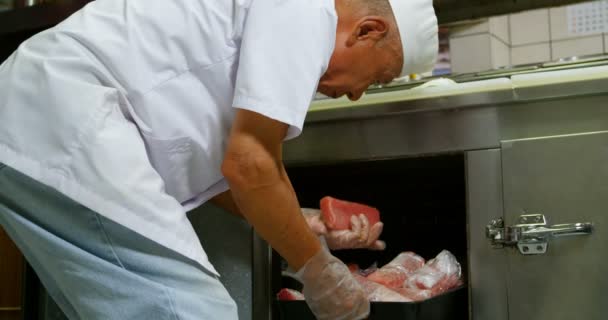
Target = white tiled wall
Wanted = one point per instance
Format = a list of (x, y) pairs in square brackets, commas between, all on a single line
[(577, 47), (466, 60), (531, 53), (481, 45), (500, 53), (499, 27), (480, 26), (559, 23), (529, 27), (521, 38)]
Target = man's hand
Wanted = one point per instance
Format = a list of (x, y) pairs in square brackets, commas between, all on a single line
[(313, 218), (360, 236), (331, 291)]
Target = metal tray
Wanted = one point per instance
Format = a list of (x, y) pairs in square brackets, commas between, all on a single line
[(452, 305)]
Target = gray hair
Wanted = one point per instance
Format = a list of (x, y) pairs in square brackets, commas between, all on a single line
[(374, 7)]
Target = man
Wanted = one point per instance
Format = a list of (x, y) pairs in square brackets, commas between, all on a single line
[(120, 119)]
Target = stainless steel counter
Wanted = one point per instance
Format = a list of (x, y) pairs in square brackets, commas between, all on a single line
[(451, 123)]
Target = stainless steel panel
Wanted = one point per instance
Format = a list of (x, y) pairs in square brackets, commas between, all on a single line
[(331, 142), (564, 178), (461, 128), (487, 266), (227, 240), (510, 97), (398, 135), (456, 10), (397, 108), (553, 117), (563, 90), (430, 132)]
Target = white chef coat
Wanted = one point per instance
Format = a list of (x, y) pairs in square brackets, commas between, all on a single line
[(126, 106)]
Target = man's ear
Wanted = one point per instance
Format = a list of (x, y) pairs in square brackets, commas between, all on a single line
[(372, 28)]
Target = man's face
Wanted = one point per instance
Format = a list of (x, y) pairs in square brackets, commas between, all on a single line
[(359, 61)]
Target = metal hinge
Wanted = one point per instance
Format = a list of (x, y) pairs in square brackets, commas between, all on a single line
[(532, 234)]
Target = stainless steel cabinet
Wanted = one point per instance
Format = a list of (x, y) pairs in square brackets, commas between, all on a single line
[(537, 150), (487, 266), (566, 179)]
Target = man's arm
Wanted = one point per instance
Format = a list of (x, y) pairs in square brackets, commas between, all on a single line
[(261, 189), (362, 235), (224, 200)]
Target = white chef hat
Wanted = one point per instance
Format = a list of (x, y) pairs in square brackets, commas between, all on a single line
[(418, 29)]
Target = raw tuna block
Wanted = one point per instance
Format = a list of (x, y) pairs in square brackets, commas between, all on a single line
[(336, 213), (398, 270)]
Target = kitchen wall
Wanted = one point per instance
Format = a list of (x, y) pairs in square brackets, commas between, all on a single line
[(530, 37)]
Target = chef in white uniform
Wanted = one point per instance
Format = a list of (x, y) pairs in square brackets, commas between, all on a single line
[(128, 114)]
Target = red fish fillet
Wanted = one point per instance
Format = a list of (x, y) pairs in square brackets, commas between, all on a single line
[(353, 268), (336, 213), (415, 294), (289, 295), (377, 292), (398, 270)]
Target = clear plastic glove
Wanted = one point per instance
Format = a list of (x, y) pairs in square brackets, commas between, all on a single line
[(360, 236), (313, 218), (331, 291)]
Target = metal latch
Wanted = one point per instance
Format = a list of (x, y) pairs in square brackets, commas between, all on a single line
[(531, 234)]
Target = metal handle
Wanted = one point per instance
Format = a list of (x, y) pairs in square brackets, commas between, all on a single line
[(558, 230), (570, 229), (531, 234)]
